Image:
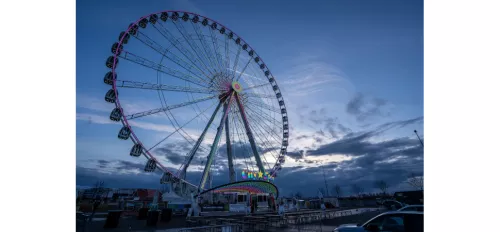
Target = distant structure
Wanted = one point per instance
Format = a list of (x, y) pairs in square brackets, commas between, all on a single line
[(419, 138)]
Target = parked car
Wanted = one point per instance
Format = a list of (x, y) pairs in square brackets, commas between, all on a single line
[(393, 205), (419, 208), (394, 221)]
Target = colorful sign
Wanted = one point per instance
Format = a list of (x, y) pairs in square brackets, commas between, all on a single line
[(251, 175)]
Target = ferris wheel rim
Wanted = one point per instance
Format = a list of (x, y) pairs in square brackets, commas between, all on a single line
[(124, 120)]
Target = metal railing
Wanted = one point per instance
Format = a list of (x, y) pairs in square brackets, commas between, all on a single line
[(215, 228)]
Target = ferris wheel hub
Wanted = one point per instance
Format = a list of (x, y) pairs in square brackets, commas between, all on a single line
[(237, 86)]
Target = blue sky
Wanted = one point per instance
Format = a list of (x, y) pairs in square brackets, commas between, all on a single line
[(351, 73)]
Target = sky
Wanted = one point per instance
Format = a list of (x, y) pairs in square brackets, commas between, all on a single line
[(351, 74)]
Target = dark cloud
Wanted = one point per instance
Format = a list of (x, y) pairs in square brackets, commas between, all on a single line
[(357, 145), (390, 160), (320, 132), (330, 124), (364, 108), (302, 137), (102, 163), (175, 153), (296, 154), (127, 165), (242, 151), (344, 129)]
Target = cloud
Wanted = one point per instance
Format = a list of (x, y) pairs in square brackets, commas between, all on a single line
[(364, 108), (296, 155), (370, 159), (358, 144), (310, 77)]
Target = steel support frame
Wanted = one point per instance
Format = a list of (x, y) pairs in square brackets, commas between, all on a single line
[(250, 135), (214, 147), (198, 142)]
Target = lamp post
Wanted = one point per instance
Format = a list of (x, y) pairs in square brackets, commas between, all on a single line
[(326, 184), (419, 138)]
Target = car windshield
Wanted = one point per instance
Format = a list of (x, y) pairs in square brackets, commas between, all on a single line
[(392, 222)]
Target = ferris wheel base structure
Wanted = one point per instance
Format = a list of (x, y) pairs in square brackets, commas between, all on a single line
[(212, 66)]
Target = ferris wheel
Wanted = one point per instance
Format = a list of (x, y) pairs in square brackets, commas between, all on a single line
[(206, 93)]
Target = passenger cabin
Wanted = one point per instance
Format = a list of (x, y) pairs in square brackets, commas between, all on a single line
[(153, 18), (133, 29), (136, 150), (109, 77), (124, 133), (164, 16), (110, 96), (143, 23), (124, 37), (185, 17), (115, 115), (165, 178), (150, 166), (115, 49), (110, 61)]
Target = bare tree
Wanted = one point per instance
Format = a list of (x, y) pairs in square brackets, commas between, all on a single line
[(338, 190), (415, 181), (382, 185)]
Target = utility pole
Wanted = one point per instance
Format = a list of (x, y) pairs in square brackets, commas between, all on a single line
[(419, 138), (326, 184)]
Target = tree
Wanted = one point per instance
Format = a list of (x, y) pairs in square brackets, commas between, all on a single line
[(382, 185), (337, 190), (298, 195), (416, 181)]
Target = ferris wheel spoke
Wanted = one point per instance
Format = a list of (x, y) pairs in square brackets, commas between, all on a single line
[(160, 68), (235, 65), (257, 86), (208, 54), (255, 128), (168, 108), (239, 135), (153, 86), (193, 151), (226, 48), (205, 53), (250, 151), (258, 95), (194, 47), (217, 52), (250, 135), (215, 144), (263, 106), (260, 121), (267, 117), (180, 128), (171, 56), (178, 45), (268, 131), (243, 71)]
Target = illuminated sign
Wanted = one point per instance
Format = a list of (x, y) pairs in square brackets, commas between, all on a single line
[(251, 175)]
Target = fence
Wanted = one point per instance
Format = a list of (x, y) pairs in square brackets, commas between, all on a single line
[(215, 228)]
